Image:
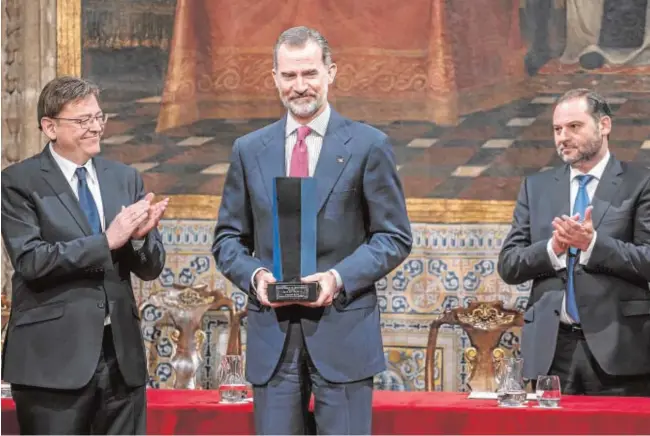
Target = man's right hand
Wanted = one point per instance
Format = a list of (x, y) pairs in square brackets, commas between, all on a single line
[(262, 280), (125, 223)]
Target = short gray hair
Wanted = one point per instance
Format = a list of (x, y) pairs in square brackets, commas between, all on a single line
[(298, 37), (597, 106), (61, 91)]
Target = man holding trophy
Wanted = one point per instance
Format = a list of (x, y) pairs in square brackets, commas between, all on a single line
[(312, 215)]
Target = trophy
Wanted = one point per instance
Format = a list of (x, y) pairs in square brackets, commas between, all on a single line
[(294, 240)]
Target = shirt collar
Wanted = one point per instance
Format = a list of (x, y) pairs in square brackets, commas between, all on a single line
[(69, 168), (597, 171), (317, 125)]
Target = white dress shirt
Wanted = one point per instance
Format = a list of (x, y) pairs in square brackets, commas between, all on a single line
[(314, 139), (560, 262), (69, 170), (314, 142)]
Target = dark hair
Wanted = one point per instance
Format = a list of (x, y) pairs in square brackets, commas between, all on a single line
[(596, 103), (298, 37), (61, 91)]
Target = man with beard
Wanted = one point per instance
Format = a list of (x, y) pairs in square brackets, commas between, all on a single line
[(581, 233), (333, 346)]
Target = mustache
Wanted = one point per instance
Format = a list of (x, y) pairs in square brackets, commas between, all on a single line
[(297, 96)]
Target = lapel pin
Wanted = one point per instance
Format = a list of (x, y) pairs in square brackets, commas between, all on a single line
[(339, 159)]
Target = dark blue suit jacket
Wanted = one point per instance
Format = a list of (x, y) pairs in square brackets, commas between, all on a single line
[(363, 233)]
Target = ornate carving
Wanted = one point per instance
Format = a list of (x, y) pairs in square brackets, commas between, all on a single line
[(484, 323), (183, 309), (11, 84), (24, 29), (188, 298), (473, 363), (7, 273), (486, 317), (6, 309), (11, 62)]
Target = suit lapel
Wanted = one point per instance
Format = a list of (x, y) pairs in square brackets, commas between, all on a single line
[(333, 158), (56, 180), (606, 191), (560, 203), (271, 159), (109, 197)]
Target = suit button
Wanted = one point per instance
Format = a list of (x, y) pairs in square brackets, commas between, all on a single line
[(100, 304)]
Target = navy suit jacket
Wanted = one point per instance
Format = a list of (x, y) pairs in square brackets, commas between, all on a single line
[(363, 233), (611, 290)]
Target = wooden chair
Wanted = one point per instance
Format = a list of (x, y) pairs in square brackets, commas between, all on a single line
[(183, 308), (234, 333), (484, 323)]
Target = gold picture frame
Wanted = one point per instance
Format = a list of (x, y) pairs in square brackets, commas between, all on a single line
[(420, 210)]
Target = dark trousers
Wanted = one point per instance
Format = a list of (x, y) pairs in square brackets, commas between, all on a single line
[(106, 405), (580, 373), (281, 405)]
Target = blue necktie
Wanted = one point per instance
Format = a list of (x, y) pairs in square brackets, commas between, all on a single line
[(579, 207), (87, 202)]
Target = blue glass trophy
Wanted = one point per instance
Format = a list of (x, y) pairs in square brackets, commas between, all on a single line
[(294, 239)]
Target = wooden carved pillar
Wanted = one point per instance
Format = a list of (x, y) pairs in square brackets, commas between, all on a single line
[(28, 63)]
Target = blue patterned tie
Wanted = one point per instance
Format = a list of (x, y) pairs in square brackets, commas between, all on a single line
[(579, 207), (87, 202)]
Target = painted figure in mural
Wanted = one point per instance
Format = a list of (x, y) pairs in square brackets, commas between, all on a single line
[(581, 233), (333, 346), (614, 32), (589, 32), (76, 226)]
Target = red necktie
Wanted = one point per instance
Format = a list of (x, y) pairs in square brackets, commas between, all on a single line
[(300, 155)]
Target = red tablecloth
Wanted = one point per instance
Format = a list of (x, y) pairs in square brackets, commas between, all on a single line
[(198, 412)]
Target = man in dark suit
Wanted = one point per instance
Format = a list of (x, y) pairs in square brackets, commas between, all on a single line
[(581, 233), (332, 347), (75, 227)]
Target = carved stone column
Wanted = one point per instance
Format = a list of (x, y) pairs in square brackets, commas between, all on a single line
[(28, 63)]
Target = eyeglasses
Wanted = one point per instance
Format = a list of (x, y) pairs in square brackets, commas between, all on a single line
[(85, 123)]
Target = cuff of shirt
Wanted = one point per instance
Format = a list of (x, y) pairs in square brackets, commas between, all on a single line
[(558, 262), (253, 284), (339, 282), (585, 255), (137, 244)]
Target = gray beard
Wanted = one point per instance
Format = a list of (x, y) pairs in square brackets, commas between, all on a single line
[(303, 110)]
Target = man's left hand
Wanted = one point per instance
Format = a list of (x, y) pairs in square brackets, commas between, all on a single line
[(576, 234), (156, 212), (327, 283)]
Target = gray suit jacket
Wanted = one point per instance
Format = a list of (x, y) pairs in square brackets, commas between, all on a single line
[(363, 232), (64, 275), (612, 290)]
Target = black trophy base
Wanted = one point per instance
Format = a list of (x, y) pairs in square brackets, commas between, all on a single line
[(292, 292)]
